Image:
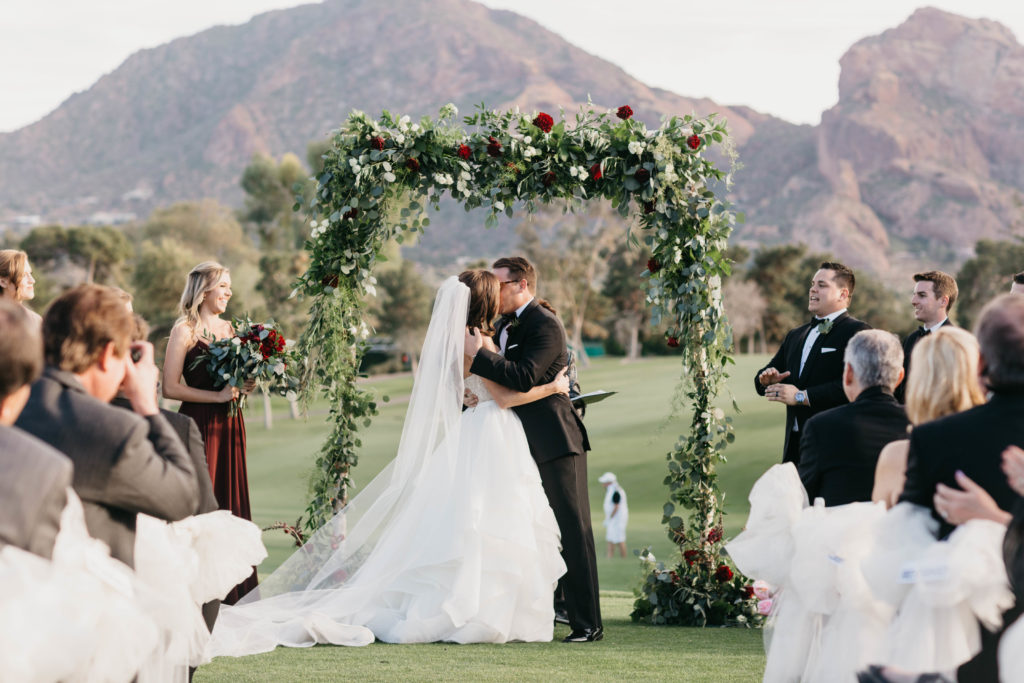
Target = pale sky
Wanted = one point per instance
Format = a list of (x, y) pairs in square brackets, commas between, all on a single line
[(780, 57)]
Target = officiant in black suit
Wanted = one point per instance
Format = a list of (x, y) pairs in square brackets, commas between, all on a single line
[(533, 343), (934, 294), (806, 373), (840, 446)]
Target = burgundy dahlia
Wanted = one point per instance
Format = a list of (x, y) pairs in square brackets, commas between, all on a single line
[(595, 171), (653, 265), (715, 535), (544, 122), (549, 178), (350, 214), (377, 142), (412, 164), (493, 146), (693, 141), (723, 573), (642, 175), (673, 342), (465, 151), (691, 556), (648, 207), (624, 112)]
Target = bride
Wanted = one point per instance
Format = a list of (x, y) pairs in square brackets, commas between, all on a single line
[(453, 541)]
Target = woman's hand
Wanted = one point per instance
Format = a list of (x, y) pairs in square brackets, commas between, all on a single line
[(973, 502), (248, 386), (1013, 466), (228, 393)]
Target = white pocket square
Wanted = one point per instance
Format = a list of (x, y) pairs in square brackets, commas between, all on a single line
[(827, 350), (515, 345)]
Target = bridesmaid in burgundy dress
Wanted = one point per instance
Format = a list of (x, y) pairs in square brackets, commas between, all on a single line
[(205, 298)]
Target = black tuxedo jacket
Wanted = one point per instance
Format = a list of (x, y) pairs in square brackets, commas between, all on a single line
[(973, 442), (908, 347), (535, 352), (822, 377), (839, 447)]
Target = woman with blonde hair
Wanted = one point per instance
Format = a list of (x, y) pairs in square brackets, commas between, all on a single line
[(203, 302), (16, 281), (943, 380)]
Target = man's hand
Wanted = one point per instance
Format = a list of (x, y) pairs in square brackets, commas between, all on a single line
[(140, 377), (974, 502), (474, 340), (782, 393), (469, 399), (771, 376)]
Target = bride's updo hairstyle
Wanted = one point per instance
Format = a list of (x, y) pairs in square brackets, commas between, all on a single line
[(943, 375), (484, 298), (201, 280)]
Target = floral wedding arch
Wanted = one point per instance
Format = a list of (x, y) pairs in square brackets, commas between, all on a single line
[(379, 180)]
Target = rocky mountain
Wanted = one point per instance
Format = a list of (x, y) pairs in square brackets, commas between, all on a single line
[(921, 156), (180, 121)]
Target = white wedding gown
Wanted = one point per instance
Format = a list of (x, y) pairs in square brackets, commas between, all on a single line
[(453, 541)]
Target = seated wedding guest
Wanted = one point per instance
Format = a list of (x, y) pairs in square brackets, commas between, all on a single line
[(34, 477), (16, 281), (973, 442), (934, 294), (125, 462), (839, 448), (1017, 285), (944, 381)]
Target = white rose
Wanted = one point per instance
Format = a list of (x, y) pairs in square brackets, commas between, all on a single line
[(527, 140), (400, 139)]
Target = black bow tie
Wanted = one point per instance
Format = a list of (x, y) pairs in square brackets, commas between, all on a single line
[(508, 318), (925, 331), (816, 320)]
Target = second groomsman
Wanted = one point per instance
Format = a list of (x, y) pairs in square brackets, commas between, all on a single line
[(934, 294)]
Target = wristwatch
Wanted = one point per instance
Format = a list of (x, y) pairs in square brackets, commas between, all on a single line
[(800, 397)]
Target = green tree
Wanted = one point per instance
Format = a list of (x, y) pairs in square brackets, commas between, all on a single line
[(270, 188), (80, 253), (159, 278), (624, 288), (404, 305), (569, 252), (207, 228), (986, 274)]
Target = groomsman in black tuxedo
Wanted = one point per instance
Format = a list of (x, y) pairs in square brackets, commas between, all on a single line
[(811, 356), (533, 343), (934, 294), (1017, 284), (840, 446)]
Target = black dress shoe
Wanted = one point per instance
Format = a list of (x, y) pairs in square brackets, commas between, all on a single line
[(585, 635), (561, 617)]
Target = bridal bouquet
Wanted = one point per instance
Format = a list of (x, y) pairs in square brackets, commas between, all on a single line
[(257, 351)]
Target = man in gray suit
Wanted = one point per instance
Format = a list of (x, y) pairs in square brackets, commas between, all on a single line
[(34, 477), (125, 462)]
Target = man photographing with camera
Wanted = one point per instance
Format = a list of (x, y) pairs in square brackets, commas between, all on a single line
[(125, 462)]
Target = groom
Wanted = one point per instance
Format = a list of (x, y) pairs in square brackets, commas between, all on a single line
[(533, 343)]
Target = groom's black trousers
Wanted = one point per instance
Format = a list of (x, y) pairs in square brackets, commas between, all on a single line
[(565, 483)]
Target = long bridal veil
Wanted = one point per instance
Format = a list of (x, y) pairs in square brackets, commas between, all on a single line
[(334, 557)]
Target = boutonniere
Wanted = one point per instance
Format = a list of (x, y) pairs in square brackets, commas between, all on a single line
[(514, 324), (824, 327)]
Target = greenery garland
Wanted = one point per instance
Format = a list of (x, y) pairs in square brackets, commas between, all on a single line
[(381, 176)]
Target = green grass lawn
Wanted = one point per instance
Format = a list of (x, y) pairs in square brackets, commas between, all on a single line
[(630, 434)]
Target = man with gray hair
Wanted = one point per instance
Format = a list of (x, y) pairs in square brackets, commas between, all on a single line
[(839, 447)]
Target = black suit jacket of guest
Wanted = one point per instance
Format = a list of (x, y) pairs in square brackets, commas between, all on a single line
[(839, 447), (908, 348), (535, 352), (124, 464), (822, 377), (973, 442), (34, 479)]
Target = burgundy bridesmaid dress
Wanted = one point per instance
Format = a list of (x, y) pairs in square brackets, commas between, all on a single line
[(224, 437)]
